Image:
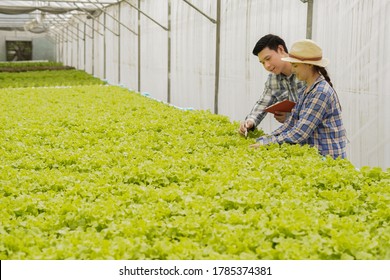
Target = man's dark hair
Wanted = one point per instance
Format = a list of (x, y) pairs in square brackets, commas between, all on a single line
[(271, 41)]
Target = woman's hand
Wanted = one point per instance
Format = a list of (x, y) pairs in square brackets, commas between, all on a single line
[(280, 116), (255, 146)]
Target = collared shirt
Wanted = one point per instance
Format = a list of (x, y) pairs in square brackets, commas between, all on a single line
[(315, 120), (277, 88)]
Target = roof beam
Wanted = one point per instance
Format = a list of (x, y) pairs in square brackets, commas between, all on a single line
[(70, 1)]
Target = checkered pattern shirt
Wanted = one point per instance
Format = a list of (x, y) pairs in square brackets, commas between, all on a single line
[(315, 120), (277, 88)]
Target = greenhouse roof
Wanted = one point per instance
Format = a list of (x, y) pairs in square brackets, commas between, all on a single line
[(41, 16)]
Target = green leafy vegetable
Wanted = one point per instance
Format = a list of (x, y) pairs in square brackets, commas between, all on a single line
[(97, 172)]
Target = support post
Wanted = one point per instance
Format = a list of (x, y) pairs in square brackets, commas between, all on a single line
[(85, 47), (139, 44), (217, 55), (105, 48), (309, 23), (169, 53), (93, 47), (119, 43), (77, 48)]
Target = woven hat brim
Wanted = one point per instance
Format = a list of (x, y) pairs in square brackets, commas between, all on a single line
[(322, 63)]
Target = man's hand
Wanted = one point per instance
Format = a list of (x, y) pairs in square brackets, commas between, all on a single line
[(245, 126), (280, 116)]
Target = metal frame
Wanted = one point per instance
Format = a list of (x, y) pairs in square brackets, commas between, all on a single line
[(217, 22), (101, 6), (140, 12)]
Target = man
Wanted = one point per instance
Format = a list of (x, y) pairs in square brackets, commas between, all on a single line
[(280, 85)]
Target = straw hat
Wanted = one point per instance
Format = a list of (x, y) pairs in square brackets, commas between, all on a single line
[(308, 52)]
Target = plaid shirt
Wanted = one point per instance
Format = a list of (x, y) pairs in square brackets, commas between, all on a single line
[(315, 120), (277, 88)]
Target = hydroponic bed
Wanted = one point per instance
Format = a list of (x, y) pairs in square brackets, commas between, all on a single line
[(98, 172)]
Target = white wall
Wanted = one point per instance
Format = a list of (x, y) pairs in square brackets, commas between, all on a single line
[(354, 35), (129, 46)]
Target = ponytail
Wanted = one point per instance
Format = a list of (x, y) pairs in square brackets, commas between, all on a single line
[(324, 73)]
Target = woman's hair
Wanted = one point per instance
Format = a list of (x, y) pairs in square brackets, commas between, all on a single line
[(324, 73), (269, 41)]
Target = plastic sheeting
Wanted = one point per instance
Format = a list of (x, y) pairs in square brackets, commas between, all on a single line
[(181, 64), (355, 35)]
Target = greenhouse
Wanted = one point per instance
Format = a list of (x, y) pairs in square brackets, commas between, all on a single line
[(120, 132)]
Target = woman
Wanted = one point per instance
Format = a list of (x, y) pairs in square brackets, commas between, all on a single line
[(316, 118)]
